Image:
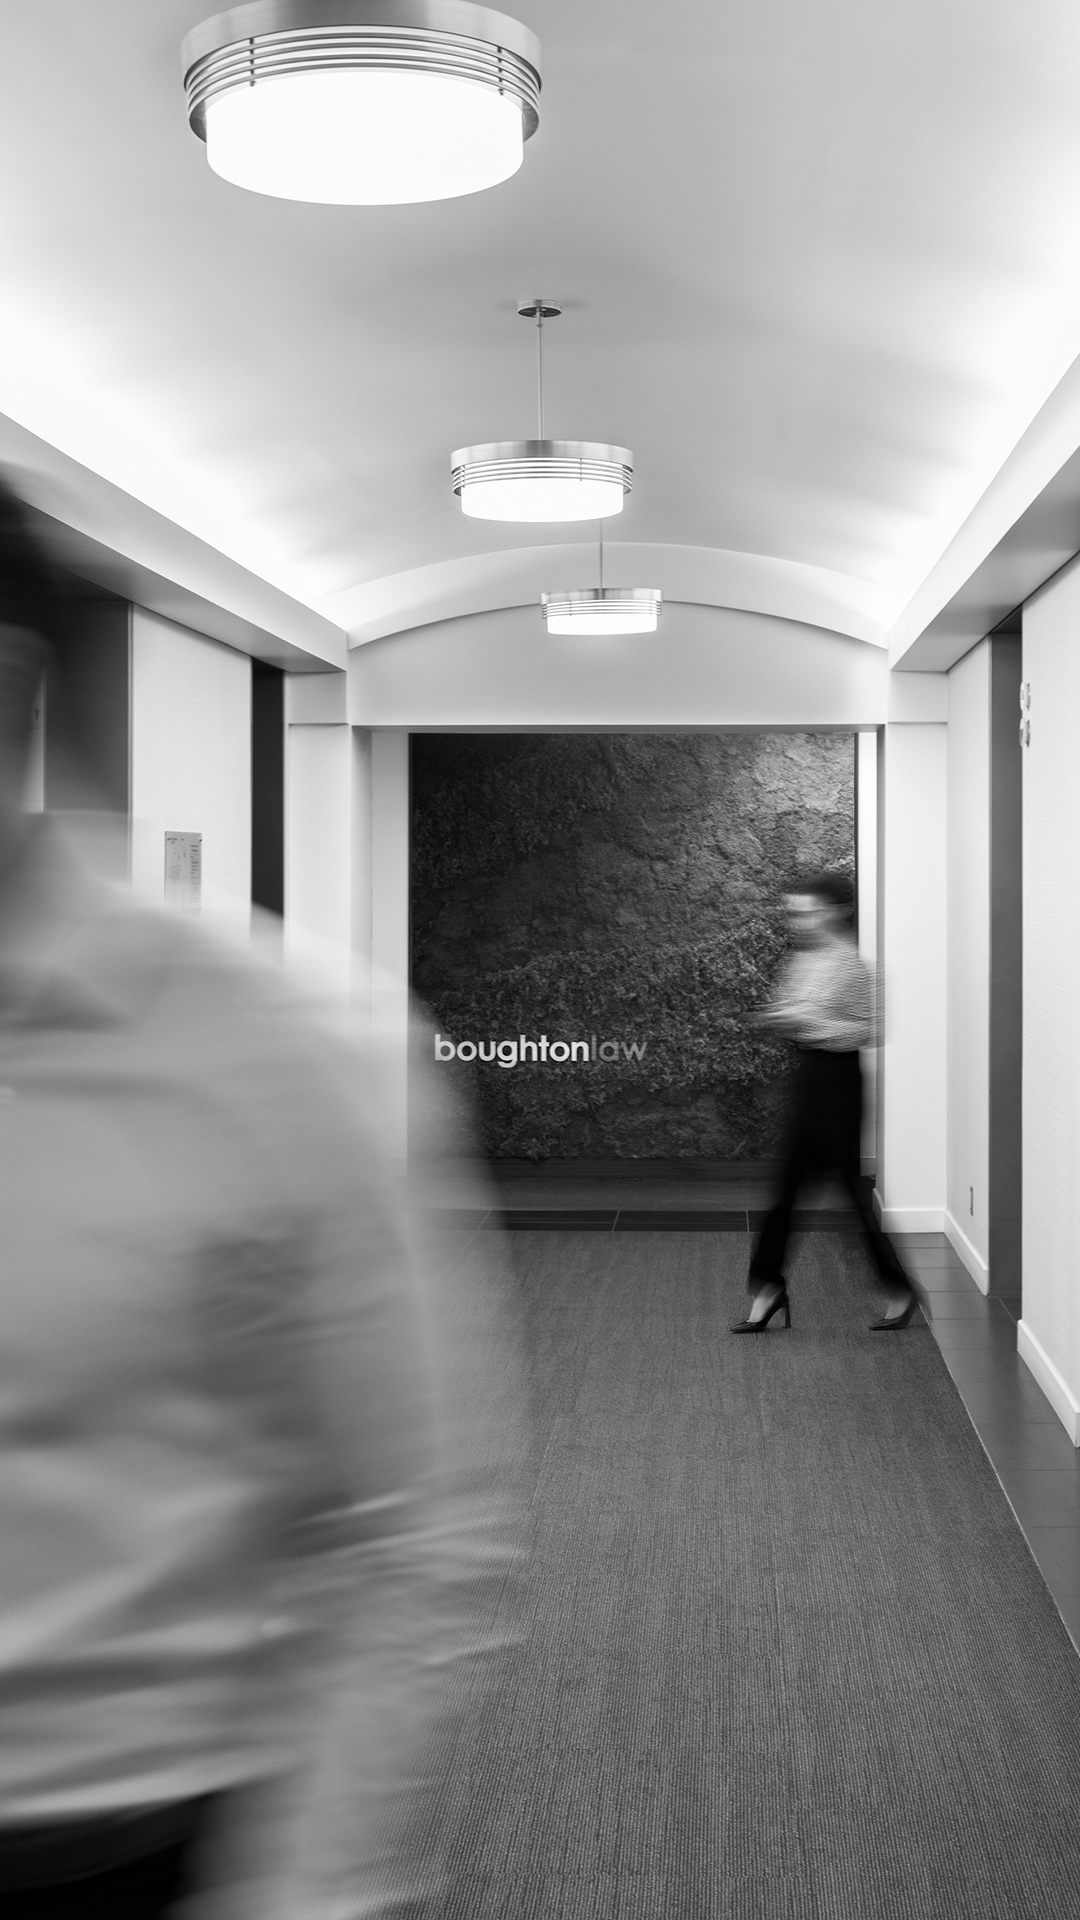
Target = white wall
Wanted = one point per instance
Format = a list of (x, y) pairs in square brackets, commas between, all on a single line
[(347, 876), (318, 834), (1049, 1334), (912, 890), (967, 1220), (191, 762), (390, 926), (866, 865), (320, 829), (390, 854), (704, 666)]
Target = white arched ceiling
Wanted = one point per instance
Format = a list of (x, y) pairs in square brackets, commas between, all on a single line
[(820, 265), (705, 576)]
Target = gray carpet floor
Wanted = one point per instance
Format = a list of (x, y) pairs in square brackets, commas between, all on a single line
[(786, 1655)]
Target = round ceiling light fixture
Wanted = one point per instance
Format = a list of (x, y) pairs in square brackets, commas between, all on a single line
[(598, 610), (363, 102), (541, 479)]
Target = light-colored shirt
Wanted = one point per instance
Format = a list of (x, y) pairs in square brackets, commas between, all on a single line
[(220, 1431), (825, 993)]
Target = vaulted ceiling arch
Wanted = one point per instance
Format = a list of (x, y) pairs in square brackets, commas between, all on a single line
[(820, 269)]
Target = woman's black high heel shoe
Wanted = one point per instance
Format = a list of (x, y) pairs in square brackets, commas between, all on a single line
[(896, 1322), (759, 1326)]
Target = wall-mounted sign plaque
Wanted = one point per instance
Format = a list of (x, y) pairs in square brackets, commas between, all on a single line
[(183, 871)]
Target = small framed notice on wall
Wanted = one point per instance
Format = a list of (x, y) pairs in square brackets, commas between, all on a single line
[(183, 871)]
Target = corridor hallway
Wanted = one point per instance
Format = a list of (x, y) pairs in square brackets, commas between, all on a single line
[(786, 1654)]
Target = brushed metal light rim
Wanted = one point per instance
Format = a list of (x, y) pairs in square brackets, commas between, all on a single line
[(462, 19), (267, 38), (487, 472), (571, 600), (247, 63), (541, 460), (543, 450)]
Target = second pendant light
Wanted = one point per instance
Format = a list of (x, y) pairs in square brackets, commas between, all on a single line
[(541, 479)]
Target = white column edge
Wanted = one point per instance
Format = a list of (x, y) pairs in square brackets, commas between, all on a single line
[(969, 1254), (1054, 1386)]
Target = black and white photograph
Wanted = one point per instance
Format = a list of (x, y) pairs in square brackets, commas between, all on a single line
[(539, 1040)]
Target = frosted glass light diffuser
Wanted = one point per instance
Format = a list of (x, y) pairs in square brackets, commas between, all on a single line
[(542, 480), (363, 102), (598, 610), (364, 139), (530, 498)]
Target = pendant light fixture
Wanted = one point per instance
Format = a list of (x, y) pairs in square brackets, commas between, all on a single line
[(363, 102), (593, 610), (541, 479)]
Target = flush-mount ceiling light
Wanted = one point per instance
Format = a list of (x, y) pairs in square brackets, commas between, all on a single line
[(363, 102), (542, 479), (592, 610)]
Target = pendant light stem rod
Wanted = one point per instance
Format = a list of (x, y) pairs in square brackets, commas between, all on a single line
[(601, 526), (539, 310)]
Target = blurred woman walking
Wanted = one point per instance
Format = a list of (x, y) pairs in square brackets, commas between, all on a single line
[(824, 1003)]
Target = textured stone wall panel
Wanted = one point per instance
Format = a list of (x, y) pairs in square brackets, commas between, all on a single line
[(627, 886)]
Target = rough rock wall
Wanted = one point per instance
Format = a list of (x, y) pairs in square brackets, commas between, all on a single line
[(619, 888)]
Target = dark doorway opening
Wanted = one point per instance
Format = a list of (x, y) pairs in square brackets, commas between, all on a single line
[(88, 705), (267, 787)]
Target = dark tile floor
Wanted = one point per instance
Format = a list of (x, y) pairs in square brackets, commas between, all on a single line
[(1027, 1446)]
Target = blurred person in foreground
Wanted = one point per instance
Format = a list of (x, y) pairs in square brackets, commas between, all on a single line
[(824, 1003), (248, 1527)]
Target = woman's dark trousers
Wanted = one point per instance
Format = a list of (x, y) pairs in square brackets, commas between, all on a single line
[(823, 1139)]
